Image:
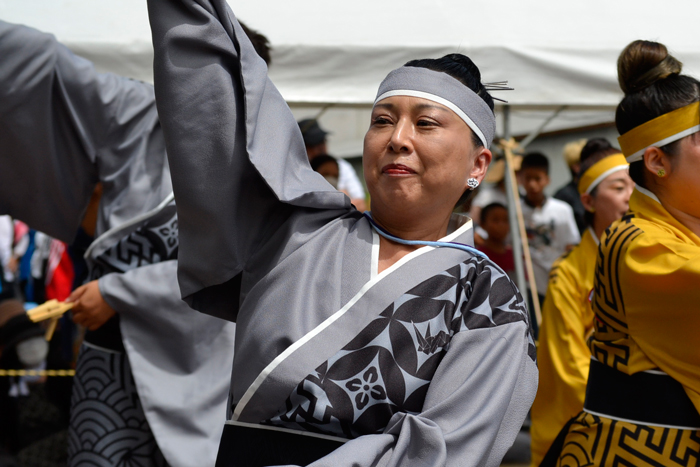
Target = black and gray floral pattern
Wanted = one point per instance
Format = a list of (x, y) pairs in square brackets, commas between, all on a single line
[(388, 367), (153, 242)]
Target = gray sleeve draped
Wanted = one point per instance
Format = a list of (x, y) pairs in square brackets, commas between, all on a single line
[(237, 158), (181, 370), (63, 128)]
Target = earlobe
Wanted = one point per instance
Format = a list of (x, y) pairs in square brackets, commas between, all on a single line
[(587, 201), (656, 161)]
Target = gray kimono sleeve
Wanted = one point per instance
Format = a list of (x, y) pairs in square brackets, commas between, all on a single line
[(474, 408), (180, 360), (237, 158), (63, 128)]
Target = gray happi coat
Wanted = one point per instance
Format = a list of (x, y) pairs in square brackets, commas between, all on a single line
[(63, 128), (428, 363)]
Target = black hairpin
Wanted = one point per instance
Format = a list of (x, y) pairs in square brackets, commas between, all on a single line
[(497, 86)]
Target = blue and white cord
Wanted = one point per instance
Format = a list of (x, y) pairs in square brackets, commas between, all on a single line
[(458, 246)]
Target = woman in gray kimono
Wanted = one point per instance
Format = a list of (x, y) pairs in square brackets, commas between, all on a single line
[(361, 340), (149, 387)]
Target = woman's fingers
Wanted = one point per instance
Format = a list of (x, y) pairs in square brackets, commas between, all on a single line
[(77, 293), (90, 309)]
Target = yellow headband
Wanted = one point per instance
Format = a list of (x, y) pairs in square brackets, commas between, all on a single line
[(660, 131), (592, 177)]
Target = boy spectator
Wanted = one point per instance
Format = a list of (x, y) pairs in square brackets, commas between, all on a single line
[(494, 220), (348, 181), (328, 167), (551, 228)]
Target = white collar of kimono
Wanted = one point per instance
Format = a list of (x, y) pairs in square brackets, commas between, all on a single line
[(595, 237), (445, 90), (648, 193)]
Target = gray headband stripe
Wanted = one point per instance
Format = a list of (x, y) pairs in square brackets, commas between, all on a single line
[(442, 88)]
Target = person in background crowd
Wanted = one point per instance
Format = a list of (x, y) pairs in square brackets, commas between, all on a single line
[(569, 192), (32, 427), (63, 132), (328, 167), (494, 192), (494, 220), (316, 145), (604, 187), (642, 404), (8, 265), (550, 225), (260, 42)]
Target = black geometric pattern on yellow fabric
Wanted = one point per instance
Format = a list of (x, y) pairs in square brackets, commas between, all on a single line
[(602, 442), (611, 340), (608, 303), (612, 354)]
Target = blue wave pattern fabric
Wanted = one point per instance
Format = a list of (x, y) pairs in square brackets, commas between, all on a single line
[(120, 435)]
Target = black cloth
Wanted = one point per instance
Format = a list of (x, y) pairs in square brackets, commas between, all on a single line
[(656, 399), (257, 447)]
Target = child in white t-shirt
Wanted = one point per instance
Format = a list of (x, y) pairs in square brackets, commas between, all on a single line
[(550, 224)]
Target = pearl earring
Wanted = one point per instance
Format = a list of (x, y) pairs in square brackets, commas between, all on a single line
[(472, 183)]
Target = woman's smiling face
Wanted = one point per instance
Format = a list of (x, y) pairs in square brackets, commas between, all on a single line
[(418, 156)]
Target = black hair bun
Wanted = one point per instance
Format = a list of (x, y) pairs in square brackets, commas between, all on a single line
[(461, 68), (643, 63)]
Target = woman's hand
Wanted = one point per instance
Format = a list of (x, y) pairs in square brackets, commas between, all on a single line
[(90, 309)]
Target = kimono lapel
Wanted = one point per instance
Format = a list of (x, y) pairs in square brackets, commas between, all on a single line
[(267, 393)]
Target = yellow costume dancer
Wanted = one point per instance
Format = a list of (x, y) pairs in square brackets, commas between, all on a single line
[(643, 395), (567, 318)]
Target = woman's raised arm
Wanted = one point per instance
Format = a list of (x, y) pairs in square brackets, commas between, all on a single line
[(64, 127), (237, 158)]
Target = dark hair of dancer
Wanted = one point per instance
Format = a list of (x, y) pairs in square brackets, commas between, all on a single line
[(261, 44), (594, 146)]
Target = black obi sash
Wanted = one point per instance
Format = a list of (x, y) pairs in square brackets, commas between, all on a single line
[(249, 445), (651, 398), (645, 398)]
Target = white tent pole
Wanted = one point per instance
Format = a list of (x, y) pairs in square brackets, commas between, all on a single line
[(512, 213)]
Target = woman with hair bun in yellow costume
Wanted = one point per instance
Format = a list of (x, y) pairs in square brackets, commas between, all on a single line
[(605, 187), (643, 393)]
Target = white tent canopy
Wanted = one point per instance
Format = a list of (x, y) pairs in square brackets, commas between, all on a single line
[(554, 53)]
